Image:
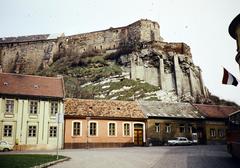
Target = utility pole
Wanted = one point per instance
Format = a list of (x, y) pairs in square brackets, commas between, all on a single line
[(59, 119), (87, 118)]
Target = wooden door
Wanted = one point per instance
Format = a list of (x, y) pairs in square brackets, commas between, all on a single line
[(138, 137)]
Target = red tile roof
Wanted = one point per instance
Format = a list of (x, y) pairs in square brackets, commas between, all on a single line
[(102, 108), (29, 85), (215, 111)]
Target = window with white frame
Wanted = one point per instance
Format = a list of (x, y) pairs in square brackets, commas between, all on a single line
[(33, 107), (54, 107), (32, 131), (9, 106), (182, 128), (93, 129), (168, 128), (190, 128), (221, 132), (7, 130), (212, 132), (126, 129), (157, 127), (111, 129), (76, 128), (53, 131)]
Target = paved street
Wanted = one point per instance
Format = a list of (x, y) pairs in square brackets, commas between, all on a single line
[(201, 156), (150, 157)]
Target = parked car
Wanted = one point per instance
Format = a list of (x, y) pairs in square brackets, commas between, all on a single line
[(5, 146), (179, 141)]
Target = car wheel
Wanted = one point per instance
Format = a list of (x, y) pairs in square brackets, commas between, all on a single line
[(5, 149)]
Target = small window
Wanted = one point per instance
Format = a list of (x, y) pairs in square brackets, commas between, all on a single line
[(168, 128), (221, 133), (53, 131), (190, 129), (9, 106), (76, 128), (54, 108), (7, 130), (212, 132), (182, 128), (93, 129), (33, 107), (36, 86), (126, 128), (32, 130), (157, 127), (111, 129)]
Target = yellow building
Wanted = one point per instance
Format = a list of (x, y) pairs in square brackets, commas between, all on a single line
[(28, 108)]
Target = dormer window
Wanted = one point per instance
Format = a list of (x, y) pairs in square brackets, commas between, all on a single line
[(9, 106), (36, 86), (54, 107), (33, 107)]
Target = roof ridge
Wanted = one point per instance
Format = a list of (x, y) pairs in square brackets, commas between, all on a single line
[(214, 105), (107, 100)]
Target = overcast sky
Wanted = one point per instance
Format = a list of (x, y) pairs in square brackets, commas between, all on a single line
[(202, 24)]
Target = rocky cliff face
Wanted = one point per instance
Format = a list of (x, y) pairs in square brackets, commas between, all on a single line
[(123, 63)]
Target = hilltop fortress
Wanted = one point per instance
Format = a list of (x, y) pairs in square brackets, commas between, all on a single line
[(148, 57)]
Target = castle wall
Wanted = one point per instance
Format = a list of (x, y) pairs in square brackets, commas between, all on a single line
[(16, 54), (177, 73), (27, 54), (113, 38), (169, 82)]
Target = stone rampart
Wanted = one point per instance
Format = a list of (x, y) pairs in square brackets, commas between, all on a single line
[(26, 54)]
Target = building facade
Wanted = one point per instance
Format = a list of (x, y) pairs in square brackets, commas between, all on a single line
[(216, 121), (103, 123), (205, 124), (169, 120), (28, 108)]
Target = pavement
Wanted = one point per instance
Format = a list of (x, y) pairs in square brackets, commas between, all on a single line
[(199, 156)]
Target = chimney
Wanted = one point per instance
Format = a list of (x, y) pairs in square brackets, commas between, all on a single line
[(1, 70)]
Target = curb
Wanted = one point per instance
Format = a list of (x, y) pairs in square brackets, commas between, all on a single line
[(52, 163)]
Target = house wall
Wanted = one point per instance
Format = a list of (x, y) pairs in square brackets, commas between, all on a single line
[(21, 119), (159, 138), (102, 139), (216, 125)]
